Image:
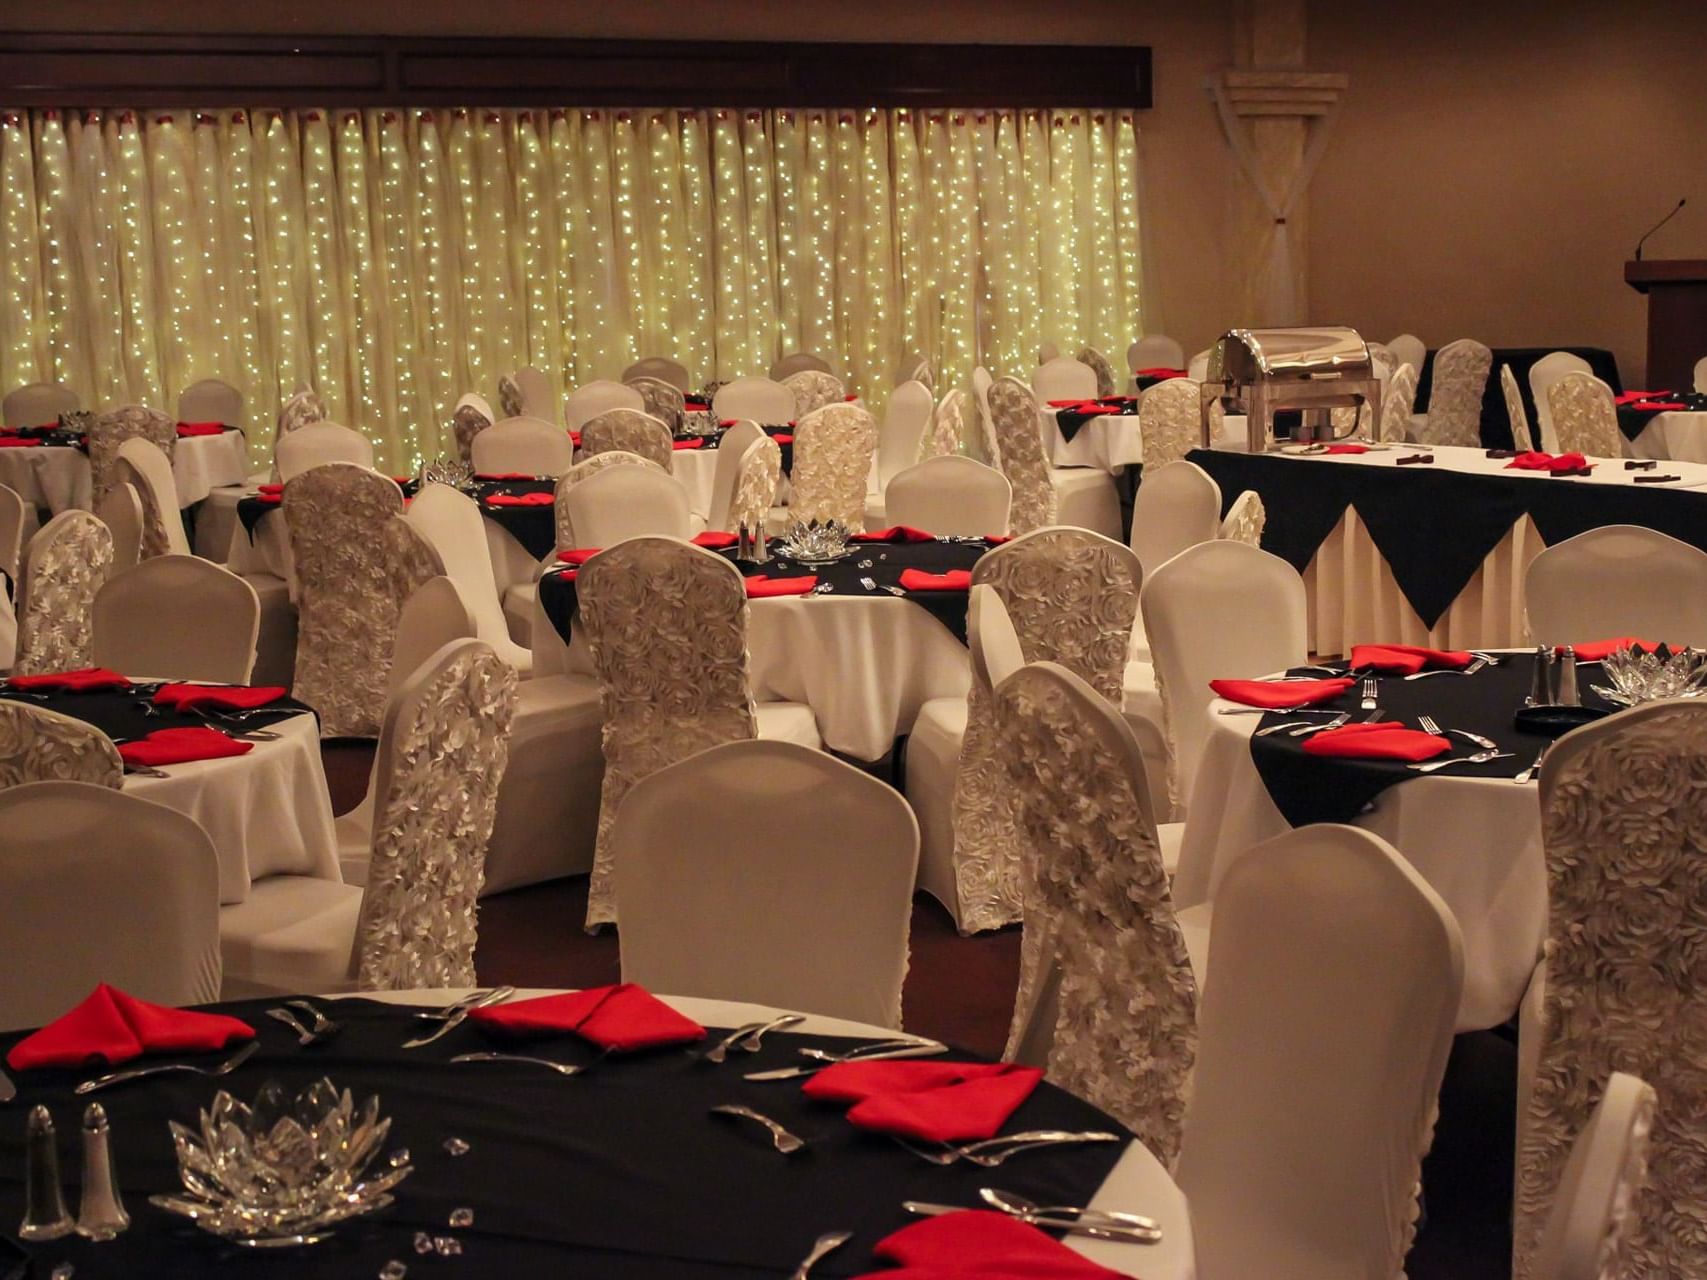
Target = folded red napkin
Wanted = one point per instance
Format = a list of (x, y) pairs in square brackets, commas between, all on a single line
[(850, 399), (693, 442), (1280, 694), (238, 697), (1069, 404), (1631, 397), (181, 746), (1346, 448), (1406, 659), (520, 499), (274, 489), (578, 555), (1386, 740), (1160, 373), (271, 499), (113, 1027), (84, 680), (715, 540), (981, 1244), (623, 1017), (894, 533), (200, 428), (727, 422), (1536, 461), (1595, 650), (19, 442), (919, 580), (782, 438), (996, 539), (505, 475), (760, 587), (1662, 406), (575, 438), (931, 1101)]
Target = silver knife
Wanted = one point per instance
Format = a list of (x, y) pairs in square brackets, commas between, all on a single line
[(788, 1073), (496, 996), (1072, 1226)]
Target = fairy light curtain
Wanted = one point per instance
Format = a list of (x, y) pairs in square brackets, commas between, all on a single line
[(396, 259)]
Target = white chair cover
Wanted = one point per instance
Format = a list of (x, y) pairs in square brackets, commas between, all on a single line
[(108, 431), (579, 472), (1398, 403), (916, 369), (141, 464), (471, 416), (904, 422), (1409, 349), (798, 362), (1595, 1208), (947, 435), (1197, 368), (985, 448), (593, 398), (1455, 394), (1155, 351), (1170, 420), (1098, 364), (950, 496), (1516, 414), (813, 389), (1617, 580), (302, 408), (1701, 374), (120, 509), (731, 450), (539, 396), (39, 745), (759, 399), (64, 566), (36, 404), (1177, 506), (627, 502), (630, 431), (12, 517), (833, 449), (529, 445), (802, 905), (315, 444), (1585, 418), (1047, 351), (101, 887), (1323, 1031), (510, 396), (1064, 378), (177, 618), (451, 521), (211, 400), (1014, 417), (756, 485), (661, 368), (1542, 375), (664, 400), (1246, 519)]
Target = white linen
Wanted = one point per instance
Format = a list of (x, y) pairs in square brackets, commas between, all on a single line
[(1108, 442), (1674, 435), (1477, 841), (57, 477), (697, 470), (1137, 1184), (268, 812)]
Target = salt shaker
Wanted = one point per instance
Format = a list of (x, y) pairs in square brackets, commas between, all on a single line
[(101, 1215), (1567, 695), (1540, 684), (45, 1217)]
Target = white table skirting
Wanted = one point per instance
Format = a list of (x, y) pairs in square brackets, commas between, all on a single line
[(57, 478), (1679, 436)]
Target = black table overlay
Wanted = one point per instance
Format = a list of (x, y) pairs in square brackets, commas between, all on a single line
[(51, 437), (773, 430), (1068, 421), (1307, 788), (881, 562), (534, 527), (1496, 423), (127, 714), (1633, 419), (620, 1172), (1434, 526)]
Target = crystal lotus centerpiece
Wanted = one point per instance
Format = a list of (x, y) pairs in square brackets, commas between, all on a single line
[(1639, 677), (452, 471), (283, 1170), (814, 543)]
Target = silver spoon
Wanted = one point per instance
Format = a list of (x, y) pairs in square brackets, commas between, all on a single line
[(826, 1244)]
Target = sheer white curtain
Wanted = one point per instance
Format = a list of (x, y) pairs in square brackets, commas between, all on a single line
[(397, 258)]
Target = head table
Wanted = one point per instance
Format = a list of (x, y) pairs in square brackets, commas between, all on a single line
[(619, 1173)]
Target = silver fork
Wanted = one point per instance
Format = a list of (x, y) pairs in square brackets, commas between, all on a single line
[(1481, 757), (1370, 699), (827, 1243), (781, 1138), (324, 1028), (1335, 723), (561, 1068), (753, 1041), (136, 1073), (1288, 724), (1469, 670), (1533, 769), (303, 1035), (981, 1153)]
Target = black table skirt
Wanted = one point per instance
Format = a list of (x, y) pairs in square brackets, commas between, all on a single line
[(620, 1172), (1496, 423)]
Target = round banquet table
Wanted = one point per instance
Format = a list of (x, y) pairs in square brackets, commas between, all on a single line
[(619, 1170), (1106, 442), (56, 477)]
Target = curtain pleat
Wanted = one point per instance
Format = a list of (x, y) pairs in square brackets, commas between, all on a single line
[(395, 259)]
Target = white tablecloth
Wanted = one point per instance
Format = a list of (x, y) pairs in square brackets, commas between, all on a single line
[(864, 664), (1108, 442), (267, 812), (1676, 435), (1138, 1184), (1477, 841), (57, 477)]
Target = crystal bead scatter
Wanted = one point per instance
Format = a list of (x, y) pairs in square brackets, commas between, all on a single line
[(447, 1246), (462, 1217), (423, 1242), (814, 543), (101, 1215), (394, 1270), (64, 1271), (1638, 677), (456, 1146), (45, 1217)]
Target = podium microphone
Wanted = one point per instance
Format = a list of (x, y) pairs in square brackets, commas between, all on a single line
[(1658, 225)]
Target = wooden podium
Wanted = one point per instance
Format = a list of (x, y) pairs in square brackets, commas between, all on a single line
[(1677, 317)]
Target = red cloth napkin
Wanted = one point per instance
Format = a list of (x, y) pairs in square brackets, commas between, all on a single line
[(113, 1027), (1161, 373), (931, 1101), (782, 438), (19, 442), (996, 539), (919, 580), (623, 1017), (715, 540), (1406, 659), (187, 697), (1536, 461), (981, 1244), (271, 499), (274, 489), (200, 428), (578, 555), (1662, 406), (1346, 448), (1280, 694), (505, 475), (181, 746), (520, 499), (1069, 404), (85, 680), (1387, 740), (695, 442), (850, 399), (575, 438), (1595, 650), (760, 587), (1631, 397), (894, 533), (727, 422)]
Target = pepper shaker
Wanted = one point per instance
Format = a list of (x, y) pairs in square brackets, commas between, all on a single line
[(101, 1215), (45, 1216), (1567, 694), (1540, 686)]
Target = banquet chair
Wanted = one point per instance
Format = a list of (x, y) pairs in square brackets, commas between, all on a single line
[(1046, 495), (661, 368), (471, 416), (1197, 368), (663, 401), (1584, 416), (627, 502), (947, 434), (1064, 378), (1617, 580), (509, 396), (1192, 605), (440, 762), (141, 464), (1154, 351), (916, 369), (64, 566), (813, 389), (950, 496), (1398, 404), (1246, 519), (303, 407), (103, 887), (1178, 505), (756, 485), (1409, 349), (1455, 394), (1516, 414), (1323, 1028), (1543, 375), (1099, 920), (772, 898), (109, 431), (1047, 351), (1700, 379), (539, 397), (758, 399), (833, 451), (984, 445), (177, 618), (211, 400), (1170, 421), (36, 404), (1618, 988), (315, 444), (38, 744), (666, 624), (120, 509), (530, 445), (1594, 1211), (583, 470), (798, 362), (631, 431), (451, 521), (731, 451), (1098, 364), (899, 438), (13, 515), (592, 398)]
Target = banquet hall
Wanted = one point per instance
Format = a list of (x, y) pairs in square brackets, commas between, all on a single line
[(779, 639)]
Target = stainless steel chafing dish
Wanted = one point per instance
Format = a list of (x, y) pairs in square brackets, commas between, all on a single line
[(1261, 372)]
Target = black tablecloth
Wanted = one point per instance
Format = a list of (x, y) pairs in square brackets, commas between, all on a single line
[(1634, 419), (883, 563), (126, 714), (1307, 788), (1432, 525), (50, 437), (1496, 423), (619, 1173), (1068, 421)]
